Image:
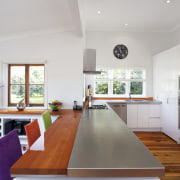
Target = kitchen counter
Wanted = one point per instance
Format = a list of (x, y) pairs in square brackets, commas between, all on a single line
[(105, 147), (58, 143), (28, 111)]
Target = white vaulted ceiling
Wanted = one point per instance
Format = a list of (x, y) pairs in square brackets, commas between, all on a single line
[(22, 16), (140, 15), (29, 16)]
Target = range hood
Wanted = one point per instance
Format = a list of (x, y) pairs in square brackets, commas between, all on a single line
[(89, 62)]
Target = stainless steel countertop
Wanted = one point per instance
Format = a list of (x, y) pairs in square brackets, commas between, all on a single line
[(105, 147)]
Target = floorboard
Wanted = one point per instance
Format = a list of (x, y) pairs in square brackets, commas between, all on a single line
[(166, 150)]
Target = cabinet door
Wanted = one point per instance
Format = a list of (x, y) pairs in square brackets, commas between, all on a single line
[(155, 116), (143, 116), (115, 107), (154, 122), (132, 116)]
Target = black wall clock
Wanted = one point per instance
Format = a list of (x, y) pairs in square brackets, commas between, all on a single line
[(120, 51)]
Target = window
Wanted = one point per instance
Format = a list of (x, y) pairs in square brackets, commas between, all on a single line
[(26, 82), (120, 82)]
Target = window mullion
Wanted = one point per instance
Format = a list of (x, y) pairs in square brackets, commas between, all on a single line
[(9, 84), (27, 84)]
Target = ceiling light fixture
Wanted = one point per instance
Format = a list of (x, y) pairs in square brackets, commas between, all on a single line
[(99, 12), (168, 1), (126, 24)]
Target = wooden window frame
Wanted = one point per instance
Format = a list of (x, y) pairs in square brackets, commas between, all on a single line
[(27, 66)]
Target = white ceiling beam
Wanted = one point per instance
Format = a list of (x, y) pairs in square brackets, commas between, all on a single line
[(77, 15)]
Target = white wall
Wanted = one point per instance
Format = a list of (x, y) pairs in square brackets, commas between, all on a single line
[(63, 53), (166, 72), (139, 53)]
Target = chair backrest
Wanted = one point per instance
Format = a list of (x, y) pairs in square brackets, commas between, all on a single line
[(10, 152), (46, 116), (32, 131)]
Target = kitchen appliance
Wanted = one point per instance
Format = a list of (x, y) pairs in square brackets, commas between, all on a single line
[(76, 107), (120, 109), (16, 124), (89, 62), (89, 94), (99, 106)]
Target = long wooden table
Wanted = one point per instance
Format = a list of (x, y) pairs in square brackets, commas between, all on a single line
[(58, 141)]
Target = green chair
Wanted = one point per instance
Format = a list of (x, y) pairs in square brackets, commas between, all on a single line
[(46, 119)]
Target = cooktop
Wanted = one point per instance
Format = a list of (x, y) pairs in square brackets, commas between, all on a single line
[(98, 106)]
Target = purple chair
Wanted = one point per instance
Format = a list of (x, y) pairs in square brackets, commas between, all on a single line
[(10, 152)]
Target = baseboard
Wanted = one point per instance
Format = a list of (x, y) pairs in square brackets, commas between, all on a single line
[(147, 129)]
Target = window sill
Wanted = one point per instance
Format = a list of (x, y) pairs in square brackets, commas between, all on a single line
[(119, 98)]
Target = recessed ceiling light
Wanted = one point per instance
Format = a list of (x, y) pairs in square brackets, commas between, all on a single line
[(126, 24), (168, 1), (99, 12)]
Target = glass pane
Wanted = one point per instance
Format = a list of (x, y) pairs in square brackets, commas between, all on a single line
[(119, 74), (17, 93), (119, 87), (36, 74), (36, 94), (101, 87), (17, 74), (136, 74), (103, 75), (136, 88)]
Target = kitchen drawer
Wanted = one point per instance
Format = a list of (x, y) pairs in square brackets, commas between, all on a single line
[(154, 122), (155, 111)]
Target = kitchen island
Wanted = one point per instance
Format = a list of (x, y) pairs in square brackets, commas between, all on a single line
[(103, 147)]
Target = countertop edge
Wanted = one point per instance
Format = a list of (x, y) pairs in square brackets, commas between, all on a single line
[(136, 172)]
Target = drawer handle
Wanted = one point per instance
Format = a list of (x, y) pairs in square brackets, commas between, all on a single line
[(116, 105), (154, 117)]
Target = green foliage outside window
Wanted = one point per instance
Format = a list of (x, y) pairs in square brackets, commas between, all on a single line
[(136, 88), (101, 87), (136, 74), (119, 87)]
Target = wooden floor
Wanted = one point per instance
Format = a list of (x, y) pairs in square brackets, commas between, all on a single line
[(165, 150)]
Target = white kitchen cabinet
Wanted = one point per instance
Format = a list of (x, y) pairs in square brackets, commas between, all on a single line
[(144, 116), (132, 115), (155, 116), (166, 72)]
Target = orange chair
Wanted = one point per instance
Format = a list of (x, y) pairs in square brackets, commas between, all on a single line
[(32, 131)]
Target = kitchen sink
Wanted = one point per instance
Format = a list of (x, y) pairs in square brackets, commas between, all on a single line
[(136, 100)]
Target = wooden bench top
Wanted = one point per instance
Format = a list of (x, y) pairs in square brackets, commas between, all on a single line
[(58, 140), (29, 111)]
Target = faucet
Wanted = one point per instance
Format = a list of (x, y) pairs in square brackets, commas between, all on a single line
[(129, 96)]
